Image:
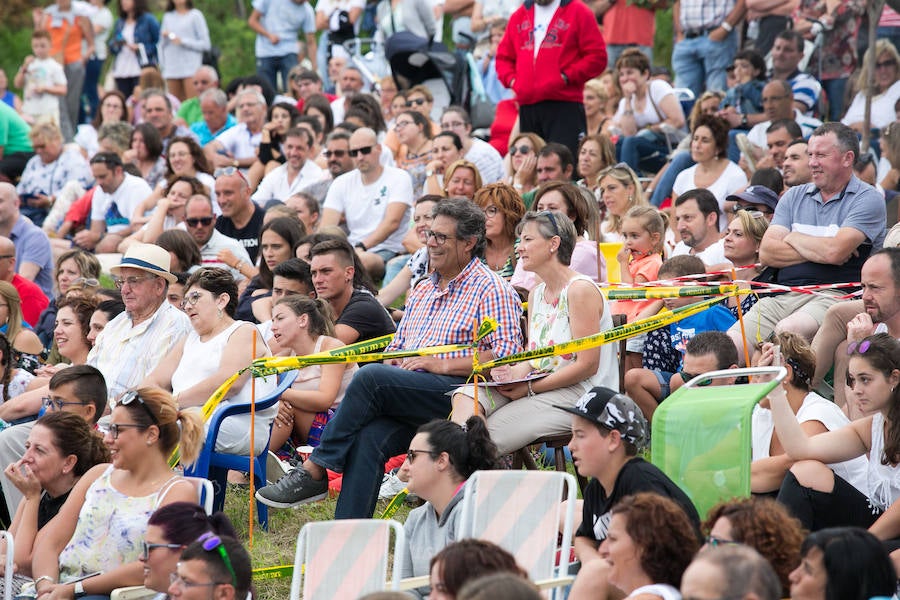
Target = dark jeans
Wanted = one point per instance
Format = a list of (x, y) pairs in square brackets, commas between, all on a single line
[(378, 417), (13, 163), (270, 66), (681, 160), (645, 151), (555, 121), (89, 93), (126, 85)]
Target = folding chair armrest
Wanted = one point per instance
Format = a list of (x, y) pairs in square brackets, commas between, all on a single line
[(135, 592), (411, 583)]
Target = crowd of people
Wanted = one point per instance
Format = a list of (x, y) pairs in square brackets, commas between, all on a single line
[(162, 228)]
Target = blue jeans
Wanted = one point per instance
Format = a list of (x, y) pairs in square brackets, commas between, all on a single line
[(643, 152), (699, 63), (835, 90), (378, 417), (681, 160), (270, 66), (89, 93)]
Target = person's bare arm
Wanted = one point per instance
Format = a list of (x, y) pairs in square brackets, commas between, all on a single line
[(330, 218), (89, 238), (255, 23), (29, 270), (393, 217)]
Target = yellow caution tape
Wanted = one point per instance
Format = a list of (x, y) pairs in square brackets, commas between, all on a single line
[(642, 293)]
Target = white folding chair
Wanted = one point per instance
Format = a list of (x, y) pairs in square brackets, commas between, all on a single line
[(346, 558), (10, 553), (520, 512), (204, 492)]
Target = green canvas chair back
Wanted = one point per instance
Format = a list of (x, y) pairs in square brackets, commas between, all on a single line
[(700, 436)]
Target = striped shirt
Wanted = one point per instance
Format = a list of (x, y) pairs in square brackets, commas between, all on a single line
[(703, 14), (127, 353), (435, 316)]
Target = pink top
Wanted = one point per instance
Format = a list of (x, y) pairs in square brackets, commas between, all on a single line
[(646, 267)]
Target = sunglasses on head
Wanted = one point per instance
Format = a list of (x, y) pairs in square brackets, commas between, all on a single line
[(365, 151), (130, 397), (228, 171), (195, 222), (858, 347), (210, 542)]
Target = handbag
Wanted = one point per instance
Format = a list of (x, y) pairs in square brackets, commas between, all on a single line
[(673, 136)]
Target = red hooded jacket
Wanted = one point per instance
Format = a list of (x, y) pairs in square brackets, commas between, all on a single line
[(573, 47)]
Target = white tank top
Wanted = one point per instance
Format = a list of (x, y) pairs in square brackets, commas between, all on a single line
[(884, 480)]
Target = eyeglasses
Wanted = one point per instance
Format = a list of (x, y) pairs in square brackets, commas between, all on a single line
[(85, 281), (491, 211), (146, 548), (402, 124), (416, 102), (190, 299), (365, 151), (717, 541), (858, 347), (132, 395), (228, 171), (885, 64), (7, 255), (519, 150), (196, 222), (115, 428), (212, 542), (52, 403), (131, 281), (685, 377), (411, 454), (773, 98), (439, 238), (334, 153), (552, 218), (179, 582)]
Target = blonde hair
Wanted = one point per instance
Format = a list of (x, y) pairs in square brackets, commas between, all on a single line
[(462, 164), (182, 428), (13, 311), (625, 176), (45, 131), (755, 227), (653, 221), (881, 46)]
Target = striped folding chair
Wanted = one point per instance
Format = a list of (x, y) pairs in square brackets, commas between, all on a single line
[(701, 435), (520, 512), (346, 558)]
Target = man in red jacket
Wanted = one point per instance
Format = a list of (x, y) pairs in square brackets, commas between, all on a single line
[(551, 47)]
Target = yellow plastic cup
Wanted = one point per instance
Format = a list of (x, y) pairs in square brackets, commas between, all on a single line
[(609, 251)]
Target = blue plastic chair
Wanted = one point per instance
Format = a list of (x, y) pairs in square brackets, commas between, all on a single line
[(215, 465)]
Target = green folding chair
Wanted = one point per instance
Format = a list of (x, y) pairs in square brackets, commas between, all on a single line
[(701, 435)]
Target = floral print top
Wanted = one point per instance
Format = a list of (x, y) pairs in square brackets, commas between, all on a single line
[(838, 49)]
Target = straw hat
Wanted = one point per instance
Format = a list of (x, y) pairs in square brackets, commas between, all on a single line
[(147, 257)]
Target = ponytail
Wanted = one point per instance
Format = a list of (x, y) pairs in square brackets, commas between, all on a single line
[(192, 435), (470, 448), (483, 452)]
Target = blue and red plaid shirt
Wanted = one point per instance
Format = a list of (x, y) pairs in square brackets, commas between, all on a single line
[(436, 316)]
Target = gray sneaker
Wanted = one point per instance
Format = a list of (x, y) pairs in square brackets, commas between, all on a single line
[(297, 487)]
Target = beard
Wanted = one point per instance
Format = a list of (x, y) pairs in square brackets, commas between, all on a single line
[(543, 2)]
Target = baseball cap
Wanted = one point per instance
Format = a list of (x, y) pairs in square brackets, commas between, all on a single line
[(756, 194), (612, 410)]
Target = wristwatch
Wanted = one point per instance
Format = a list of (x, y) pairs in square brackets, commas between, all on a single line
[(744, 120), (361, 245), (79, 589)]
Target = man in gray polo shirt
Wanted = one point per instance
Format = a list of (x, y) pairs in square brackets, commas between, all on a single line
[(822, 232)]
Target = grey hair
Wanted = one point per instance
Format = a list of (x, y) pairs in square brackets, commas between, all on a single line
[(117, 131), (553, 223), (470, 221), (744, 571), (151, 92), (846, 137), (258, 95), (217, 95), (214, 75)]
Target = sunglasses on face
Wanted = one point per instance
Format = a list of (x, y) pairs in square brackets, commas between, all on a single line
[(416, 102), (365, 151), (336, 153), (685, 377), (205, 221), (519, 150)]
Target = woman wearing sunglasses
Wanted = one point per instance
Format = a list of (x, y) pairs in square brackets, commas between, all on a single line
[(818, 496), (741, 245), (101, 525), (218, 347), (171, 529), (61, 448), (220, 564), (441, 456), (762, 524), (522, 162)]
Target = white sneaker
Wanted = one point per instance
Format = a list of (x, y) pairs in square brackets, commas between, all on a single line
[(390, 486), (275, 467)]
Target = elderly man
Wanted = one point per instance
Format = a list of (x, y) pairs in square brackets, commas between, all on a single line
[(34, 259), (33, 299), (216, 248), (822, 232), (350, 84), (385, 403), (296, 173), (375, 201), (157, 110), (205, 78), (79, 389), (241, 218), (237, 146), (113, 204), (214, 116)]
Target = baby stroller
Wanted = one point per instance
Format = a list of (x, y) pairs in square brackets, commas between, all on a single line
[(415, 61)]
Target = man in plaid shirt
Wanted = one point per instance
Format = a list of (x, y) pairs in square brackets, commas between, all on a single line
[(386, 403)]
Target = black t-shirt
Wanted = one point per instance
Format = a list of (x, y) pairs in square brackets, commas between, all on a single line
[(248, 235), (366, 315), (637, 475), (49, 506)]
